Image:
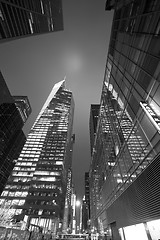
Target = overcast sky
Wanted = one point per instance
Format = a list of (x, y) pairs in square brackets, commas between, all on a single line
[(31, 66)]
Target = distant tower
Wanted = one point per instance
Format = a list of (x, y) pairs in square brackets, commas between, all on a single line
[(87, 193), (67, 219), (86, 204), (73, 203), (28, 18), (12, 137), (38, 184), (94, 112)]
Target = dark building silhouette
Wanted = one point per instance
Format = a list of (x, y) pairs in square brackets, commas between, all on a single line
[(12, 140), (29, 17), (125, 166), (12, 137), (5, 95), (38, 184)]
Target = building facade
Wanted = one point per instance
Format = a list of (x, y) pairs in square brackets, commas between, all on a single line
[(125, 165), (12, 138), (87, 192), (86, 205), (37, 188), (94, 113), (23, 106), (68, 210), (28, 18)]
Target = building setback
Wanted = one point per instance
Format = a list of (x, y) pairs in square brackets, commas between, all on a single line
[(36, 189), (23, 106), (12, 138), (125, 167), (28, 18)]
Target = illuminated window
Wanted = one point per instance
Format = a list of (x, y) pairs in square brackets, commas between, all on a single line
[(4, 193), (11, 194), (52, 179), (2, 201), (21, 202), (24, 194), (15, 202), (18, 194), (18, 211)]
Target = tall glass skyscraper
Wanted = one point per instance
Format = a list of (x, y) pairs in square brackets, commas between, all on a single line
[(125, 189), (36, 190)]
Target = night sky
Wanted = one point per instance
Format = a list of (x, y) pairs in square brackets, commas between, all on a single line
[(31, 66)]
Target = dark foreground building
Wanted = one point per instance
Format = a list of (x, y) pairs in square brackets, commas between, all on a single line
[(29, 17), (125, 167), (12, 138), (35, 192)]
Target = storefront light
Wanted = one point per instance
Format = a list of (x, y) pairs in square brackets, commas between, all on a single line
[(135, 232), (154, 229)]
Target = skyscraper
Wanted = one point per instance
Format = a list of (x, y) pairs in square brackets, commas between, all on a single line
[(87, 193), (28, 18), (37, 188), (125, 164), (86, 204), (94, 112), (68, 211), (12, 138)]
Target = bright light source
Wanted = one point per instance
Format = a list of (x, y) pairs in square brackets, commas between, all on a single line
[(135, 232), (154, 228), (78, 203)]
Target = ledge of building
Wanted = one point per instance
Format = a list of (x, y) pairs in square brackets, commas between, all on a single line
[(109, 5)]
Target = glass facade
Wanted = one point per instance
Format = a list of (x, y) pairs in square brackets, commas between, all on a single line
[(128, 133), (86, 204), (94, 113), (68, 212), (37, 185), (87, 193), (20, 18), (23, 106), (12, 138)]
